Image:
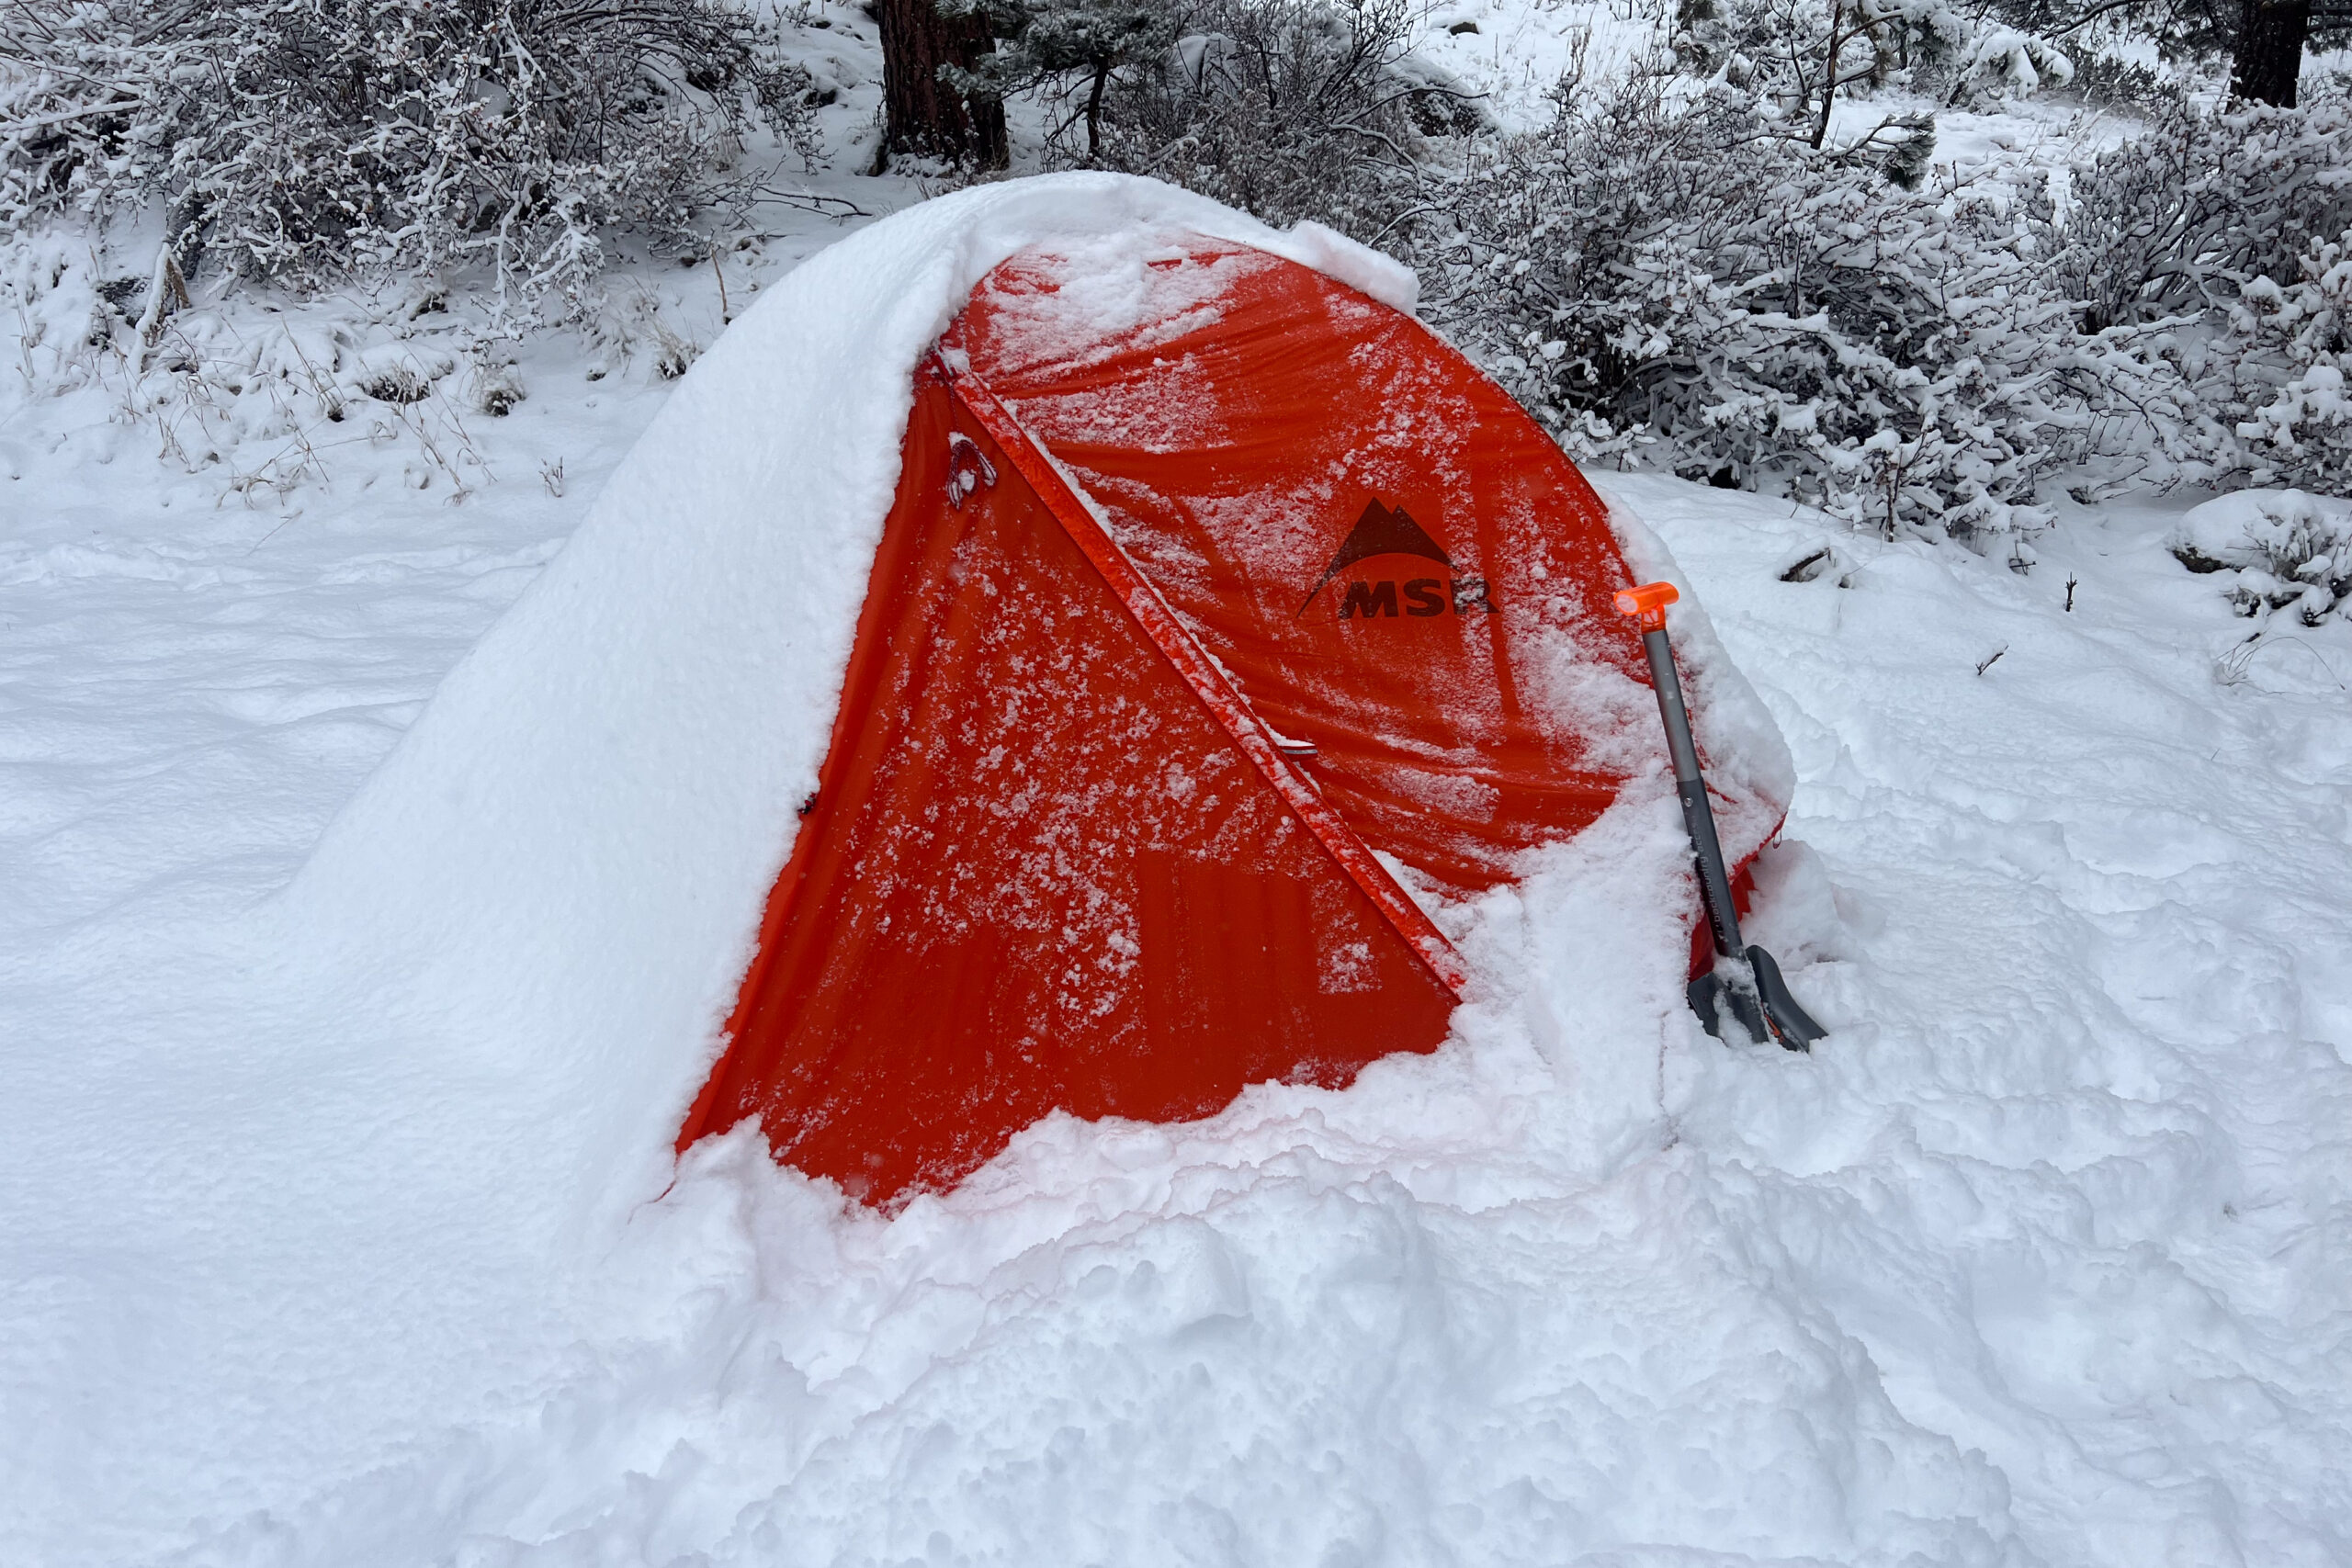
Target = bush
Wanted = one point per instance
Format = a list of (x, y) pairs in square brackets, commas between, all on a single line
[(1779, 50), (307, 139), (2279, 550), (2292, 350), (2103, 79), (1288, 110), (2175, 222), (1782, 52), (1685, 284), (2215, 242)]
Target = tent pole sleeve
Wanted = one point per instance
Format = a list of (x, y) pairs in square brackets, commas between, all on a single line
[(1209, 681)]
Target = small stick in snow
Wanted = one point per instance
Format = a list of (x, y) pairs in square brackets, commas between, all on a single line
[(726, 316), (2070, 593), (166, 285), (1992, 658)]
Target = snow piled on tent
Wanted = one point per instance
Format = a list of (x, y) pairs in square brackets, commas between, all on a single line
[(345, 1234), (568, 852)]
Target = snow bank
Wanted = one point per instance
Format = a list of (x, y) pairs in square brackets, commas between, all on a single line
[(565, 860)]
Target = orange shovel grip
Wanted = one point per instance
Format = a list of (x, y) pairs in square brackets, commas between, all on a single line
[(1649, 602)]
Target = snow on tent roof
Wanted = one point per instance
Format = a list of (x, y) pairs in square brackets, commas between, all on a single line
[(1246, 506)]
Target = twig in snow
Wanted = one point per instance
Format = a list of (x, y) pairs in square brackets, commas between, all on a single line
[(2237, 666), (2070, 593), (1807, 568), (168, 283), (805, 201), (1992, 658)]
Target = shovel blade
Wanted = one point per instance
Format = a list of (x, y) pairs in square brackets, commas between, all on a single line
[(1712, 996), (1792, 1025), (1767, 1012)]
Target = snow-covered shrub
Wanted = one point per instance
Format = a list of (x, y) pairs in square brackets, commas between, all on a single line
[(311, 139), (497, 386), (62, 318), (2292, 350), (2177, 220), (2214, 244), (1798, 55), (1680, 282), (2282, 550), (256, 402), (2102, 79), (2009, 63), (1288, 110)]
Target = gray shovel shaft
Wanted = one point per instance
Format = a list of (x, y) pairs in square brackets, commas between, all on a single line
[(1698, 815)]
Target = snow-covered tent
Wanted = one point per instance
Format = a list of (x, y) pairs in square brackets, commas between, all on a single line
[(1096, 630)]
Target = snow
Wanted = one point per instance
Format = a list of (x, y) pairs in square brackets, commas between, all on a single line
[(2040, 1258), (340, 1230), (1514, 52)]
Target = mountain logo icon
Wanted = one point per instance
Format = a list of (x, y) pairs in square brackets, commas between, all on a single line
[(1381, 531)]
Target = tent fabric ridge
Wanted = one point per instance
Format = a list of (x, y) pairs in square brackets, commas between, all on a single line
[(1201, 671)]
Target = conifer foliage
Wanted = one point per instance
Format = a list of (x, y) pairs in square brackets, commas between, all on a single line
[(1065, 50)]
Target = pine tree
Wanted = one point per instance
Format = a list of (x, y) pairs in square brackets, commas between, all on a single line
[(1066, 47), (929, 51), (2269, 58)]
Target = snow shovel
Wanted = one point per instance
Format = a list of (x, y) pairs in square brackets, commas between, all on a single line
[(1745, 981)]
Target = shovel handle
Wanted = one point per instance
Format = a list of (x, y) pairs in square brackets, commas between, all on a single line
[(1648, 602), (1751, 988)]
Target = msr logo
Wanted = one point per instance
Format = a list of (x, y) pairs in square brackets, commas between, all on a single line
[(1391, 531), (1423, 596)]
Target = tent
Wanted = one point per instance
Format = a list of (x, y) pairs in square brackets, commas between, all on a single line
[(1224, 618), (1221, 500)]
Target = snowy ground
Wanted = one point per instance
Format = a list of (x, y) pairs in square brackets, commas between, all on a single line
[(2041, 1258), (2044, 1257)]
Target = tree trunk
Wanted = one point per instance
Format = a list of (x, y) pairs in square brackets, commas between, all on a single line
[(1829, 80), (2270, 52), (922, 114), (1094, 111)]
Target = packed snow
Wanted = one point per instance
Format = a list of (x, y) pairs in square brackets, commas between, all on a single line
[(337, 1218)]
